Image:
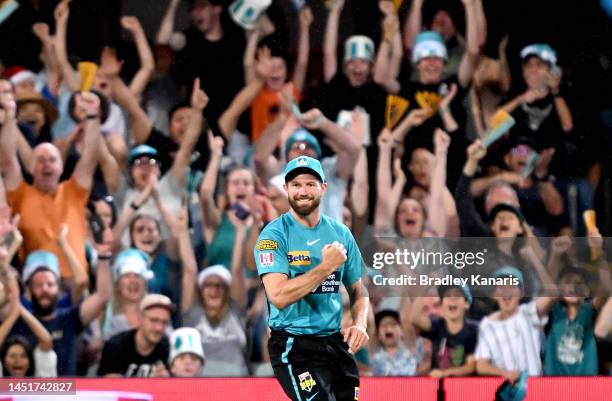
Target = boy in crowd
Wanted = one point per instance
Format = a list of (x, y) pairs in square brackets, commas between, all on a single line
[(401, 352), (570, 340), (509, 339), (453, 336)]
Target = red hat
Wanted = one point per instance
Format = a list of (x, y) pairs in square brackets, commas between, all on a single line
[(17, 74)]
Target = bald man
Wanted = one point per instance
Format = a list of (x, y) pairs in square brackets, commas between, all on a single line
[(47, 203)]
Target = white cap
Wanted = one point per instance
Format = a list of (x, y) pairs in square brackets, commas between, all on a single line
[(429, 44), (246, 12), (186, 340), (215, 270), (40, 260), (359, 46), (132, 260)]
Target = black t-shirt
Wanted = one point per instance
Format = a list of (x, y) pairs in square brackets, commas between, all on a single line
[(65, 329), (451, 350), (429, 96), (167, 149), (119, 356), (218, 65), (338, 95), (421, 95)]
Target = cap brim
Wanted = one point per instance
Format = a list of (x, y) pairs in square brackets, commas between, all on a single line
[(302, 170)]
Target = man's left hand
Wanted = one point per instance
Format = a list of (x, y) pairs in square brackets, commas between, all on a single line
[(356, 337)]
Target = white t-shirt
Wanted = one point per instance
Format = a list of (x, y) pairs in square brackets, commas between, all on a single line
[(513, 343)]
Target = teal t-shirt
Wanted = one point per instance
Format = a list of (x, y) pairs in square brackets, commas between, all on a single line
[(288, 247), (570, 346)]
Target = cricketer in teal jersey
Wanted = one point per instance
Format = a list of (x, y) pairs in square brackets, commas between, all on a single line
[(302, 258)]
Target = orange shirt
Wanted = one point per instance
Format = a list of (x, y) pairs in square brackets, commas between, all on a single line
[(264, 110), (42, 215)]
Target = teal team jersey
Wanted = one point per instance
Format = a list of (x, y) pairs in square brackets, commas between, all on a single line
[(288, 247)]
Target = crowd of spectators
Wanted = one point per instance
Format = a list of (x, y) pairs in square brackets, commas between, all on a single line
[(133, 189)]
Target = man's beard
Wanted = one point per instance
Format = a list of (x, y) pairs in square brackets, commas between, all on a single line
[(304, 210), (43, 311)]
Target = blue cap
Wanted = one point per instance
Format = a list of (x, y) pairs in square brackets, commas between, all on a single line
[(540, 50), (429, 44), (510, 271), (313, 166), (132, 260), (40, 260), (301, 135), (141, 150), (467, 294)]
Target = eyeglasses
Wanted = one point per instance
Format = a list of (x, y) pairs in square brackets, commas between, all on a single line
[(145, 162)]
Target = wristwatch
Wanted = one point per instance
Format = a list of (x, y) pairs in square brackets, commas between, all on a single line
[(134, 206)]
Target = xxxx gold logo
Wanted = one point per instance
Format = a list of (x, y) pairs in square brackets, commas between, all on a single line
[(395, 109), (267, 245), (428, 101), (299, 258)]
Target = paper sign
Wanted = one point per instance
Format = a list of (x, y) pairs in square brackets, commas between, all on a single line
[(396, 107)]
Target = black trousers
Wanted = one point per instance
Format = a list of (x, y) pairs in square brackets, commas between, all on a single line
[(313, 368)]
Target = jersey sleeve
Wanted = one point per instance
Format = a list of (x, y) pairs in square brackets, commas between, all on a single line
[(270, 252), (353, 267)]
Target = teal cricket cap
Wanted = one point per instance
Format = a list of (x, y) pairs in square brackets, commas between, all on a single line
[(304, 165)]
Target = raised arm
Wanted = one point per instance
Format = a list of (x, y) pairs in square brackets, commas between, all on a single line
[(347, 144), (85, 167), (9, 132), (61, 14), (182, 160), (210, 212), (79, 274), (386, 67), (603, 325), (383, 218), (48, 57), (360, 186), (139, 121), (450, 124), (545, 301), (301, 65), (467, 67), (413, 24), (147, 64), (471, 223), (551, 198), (413, 119), (166, 28), (330, 41), (238, 290), (242, 101), (12, 292), (561, 107), (595, 241), (179, 227), (111, 170), (94, 304), (438, 222)]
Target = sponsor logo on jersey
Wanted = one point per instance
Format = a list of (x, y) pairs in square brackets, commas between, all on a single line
[(267, 245), (306, 381), (356, 393), (298, 258), (266, 259)]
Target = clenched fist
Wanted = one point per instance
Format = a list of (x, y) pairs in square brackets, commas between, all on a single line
[(333, 255)]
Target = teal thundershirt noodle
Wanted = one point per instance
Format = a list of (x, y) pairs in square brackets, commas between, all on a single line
[(288, 247)]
